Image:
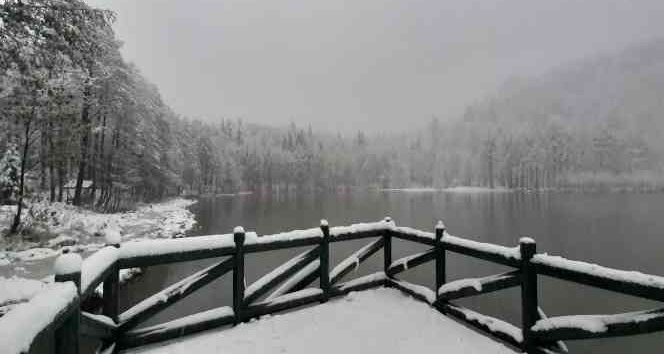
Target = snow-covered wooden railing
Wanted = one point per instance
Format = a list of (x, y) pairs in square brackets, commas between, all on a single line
[(58, 308)]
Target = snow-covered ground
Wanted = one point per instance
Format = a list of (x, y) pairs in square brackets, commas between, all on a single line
[(25, 266), (373, 321)]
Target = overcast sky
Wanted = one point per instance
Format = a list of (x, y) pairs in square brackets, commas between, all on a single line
[(359, 64)]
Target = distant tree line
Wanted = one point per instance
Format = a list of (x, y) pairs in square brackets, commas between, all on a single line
[(79, 121)]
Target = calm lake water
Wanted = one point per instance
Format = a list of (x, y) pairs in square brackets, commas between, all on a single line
[(615, 230)]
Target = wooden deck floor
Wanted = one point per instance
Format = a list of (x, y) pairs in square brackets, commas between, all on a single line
[(381, 321)]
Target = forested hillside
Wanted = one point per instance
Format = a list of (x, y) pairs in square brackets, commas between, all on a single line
[(593, 124), (78, 120)]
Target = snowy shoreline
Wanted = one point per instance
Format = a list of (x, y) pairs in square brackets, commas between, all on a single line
[(25, 267)]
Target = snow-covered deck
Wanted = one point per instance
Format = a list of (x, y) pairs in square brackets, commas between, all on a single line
[(380, 320)]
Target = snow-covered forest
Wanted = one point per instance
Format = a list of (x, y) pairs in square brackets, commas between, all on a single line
[(80, 123)]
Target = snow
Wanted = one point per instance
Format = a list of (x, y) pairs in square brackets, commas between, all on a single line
[(592, 323), (507, 252), (600, 271), (373, 321), (493, 324), (68, 263), (405, 260), (19, 327), (113, 234), (238, 230), (526, 240), (324, 222), (101, 318), (412, 231), (418, 289), (87, 231), (15, 289), (253, 238), (364, 279), (83, 231), (560, 344), (188, 320), (296, 278), (34, 254), (292, 296), (460, 284), (440, 225), (359, 227), (187, 244), (97, 264)]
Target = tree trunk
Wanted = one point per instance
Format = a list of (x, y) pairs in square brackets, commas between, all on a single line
[(85, 142), (51, 162), (24, 158)]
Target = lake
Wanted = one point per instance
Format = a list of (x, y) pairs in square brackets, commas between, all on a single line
[(614, 230)]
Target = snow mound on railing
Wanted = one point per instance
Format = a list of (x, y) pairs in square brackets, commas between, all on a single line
[(19, 327), (600, 271)]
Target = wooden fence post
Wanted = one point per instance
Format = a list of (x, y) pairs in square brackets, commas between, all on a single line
[(111, 285), (440, 257), (238, 274), (68, 268), (387, 246), (529, 315), (324, 266)]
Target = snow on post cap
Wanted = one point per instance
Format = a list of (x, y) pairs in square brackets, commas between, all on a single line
[(238, 230), (526, 240), (68, 263), (323, 222), (440, 225), (387, 219)]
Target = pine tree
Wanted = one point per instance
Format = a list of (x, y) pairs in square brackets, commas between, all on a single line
[(10, 165)]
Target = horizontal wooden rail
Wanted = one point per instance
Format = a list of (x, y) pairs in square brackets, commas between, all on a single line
[(555, 347), (414, 235), (494, 327), (418, 292), (626, 282), (284, 240), (98, 326), (409, 262), (599, 326), (180, 327), (354, 260), (357, 231), (486, 251), (96, 268), (358, 284), (475, 286), (264, 284), (161, 300), (156, 252)]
